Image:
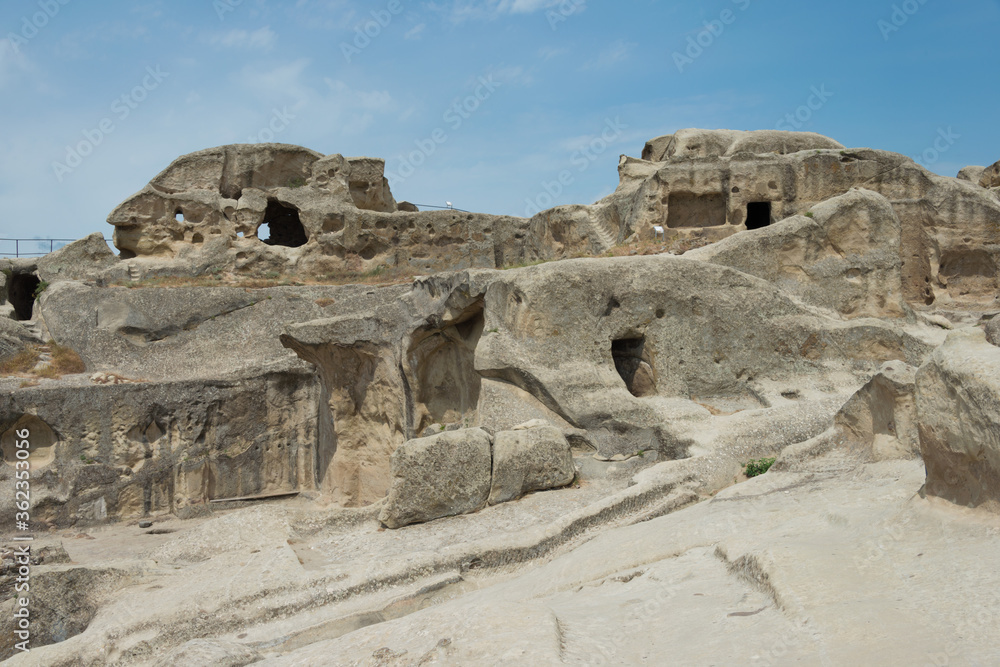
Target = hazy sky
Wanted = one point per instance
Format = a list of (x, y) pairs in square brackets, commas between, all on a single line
[(481, 103)]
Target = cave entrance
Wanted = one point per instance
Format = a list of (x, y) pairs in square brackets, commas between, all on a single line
[(633, 363), (281, 226), (447, 384), (21, 294), (758, 214)]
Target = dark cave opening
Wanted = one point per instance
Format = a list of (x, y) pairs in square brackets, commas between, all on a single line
[(758, 214), (281, 226), (21, 294), (633, 364)]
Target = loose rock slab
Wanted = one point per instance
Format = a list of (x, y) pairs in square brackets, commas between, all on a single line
[(439, 476), (534, 458), (958, 406)]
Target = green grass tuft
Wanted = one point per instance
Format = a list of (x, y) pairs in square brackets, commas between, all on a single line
[(758, 467)]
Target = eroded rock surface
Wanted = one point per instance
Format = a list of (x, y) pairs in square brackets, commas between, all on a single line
[(442, 475), (842, 255), (535, 457), (958, 402), (990, 177)]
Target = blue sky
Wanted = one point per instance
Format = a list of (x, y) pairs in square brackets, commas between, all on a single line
[(542, 87)]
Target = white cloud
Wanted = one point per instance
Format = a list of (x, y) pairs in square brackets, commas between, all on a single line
[(515, 76), (550, 52), (617, 52), (415, 32), (370, 100), (466, 10), (13, 63), (262, 39), (529, 6), (282, 83)]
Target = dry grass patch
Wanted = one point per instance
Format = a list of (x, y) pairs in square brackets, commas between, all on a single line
[(65, 361), (22, 362)]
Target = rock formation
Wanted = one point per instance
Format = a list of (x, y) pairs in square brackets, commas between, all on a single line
[(350, 429)]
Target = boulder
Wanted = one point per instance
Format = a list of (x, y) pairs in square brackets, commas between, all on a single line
[(843, 256), (533, 458), (880, 420), (958, 407), (972, 174), (991, 176), (442, 475), (14, 337), (85, 259), (993, 331), (655, 150), (694, 143)]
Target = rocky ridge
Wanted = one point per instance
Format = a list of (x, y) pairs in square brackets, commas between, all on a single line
[(487, 465)]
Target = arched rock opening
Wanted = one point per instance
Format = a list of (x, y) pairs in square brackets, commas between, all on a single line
[(281, 226), (41, 441), (442, 361), (634, 365)]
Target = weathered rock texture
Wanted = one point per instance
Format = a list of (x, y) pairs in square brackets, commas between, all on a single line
[(843, 255), (958, 407), (990, 177), (209, 653), (442, 475), (115, 452), (949, 228), (323, 215), (972, 174), (881, 418), (993, 331), (797, 337), (333, 214), (533, 458)]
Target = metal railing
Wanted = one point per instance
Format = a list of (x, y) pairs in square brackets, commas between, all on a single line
[(443, 208), (26, 243)]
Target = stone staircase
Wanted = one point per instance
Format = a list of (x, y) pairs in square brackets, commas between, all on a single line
[(36, 330), (602, 233)]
